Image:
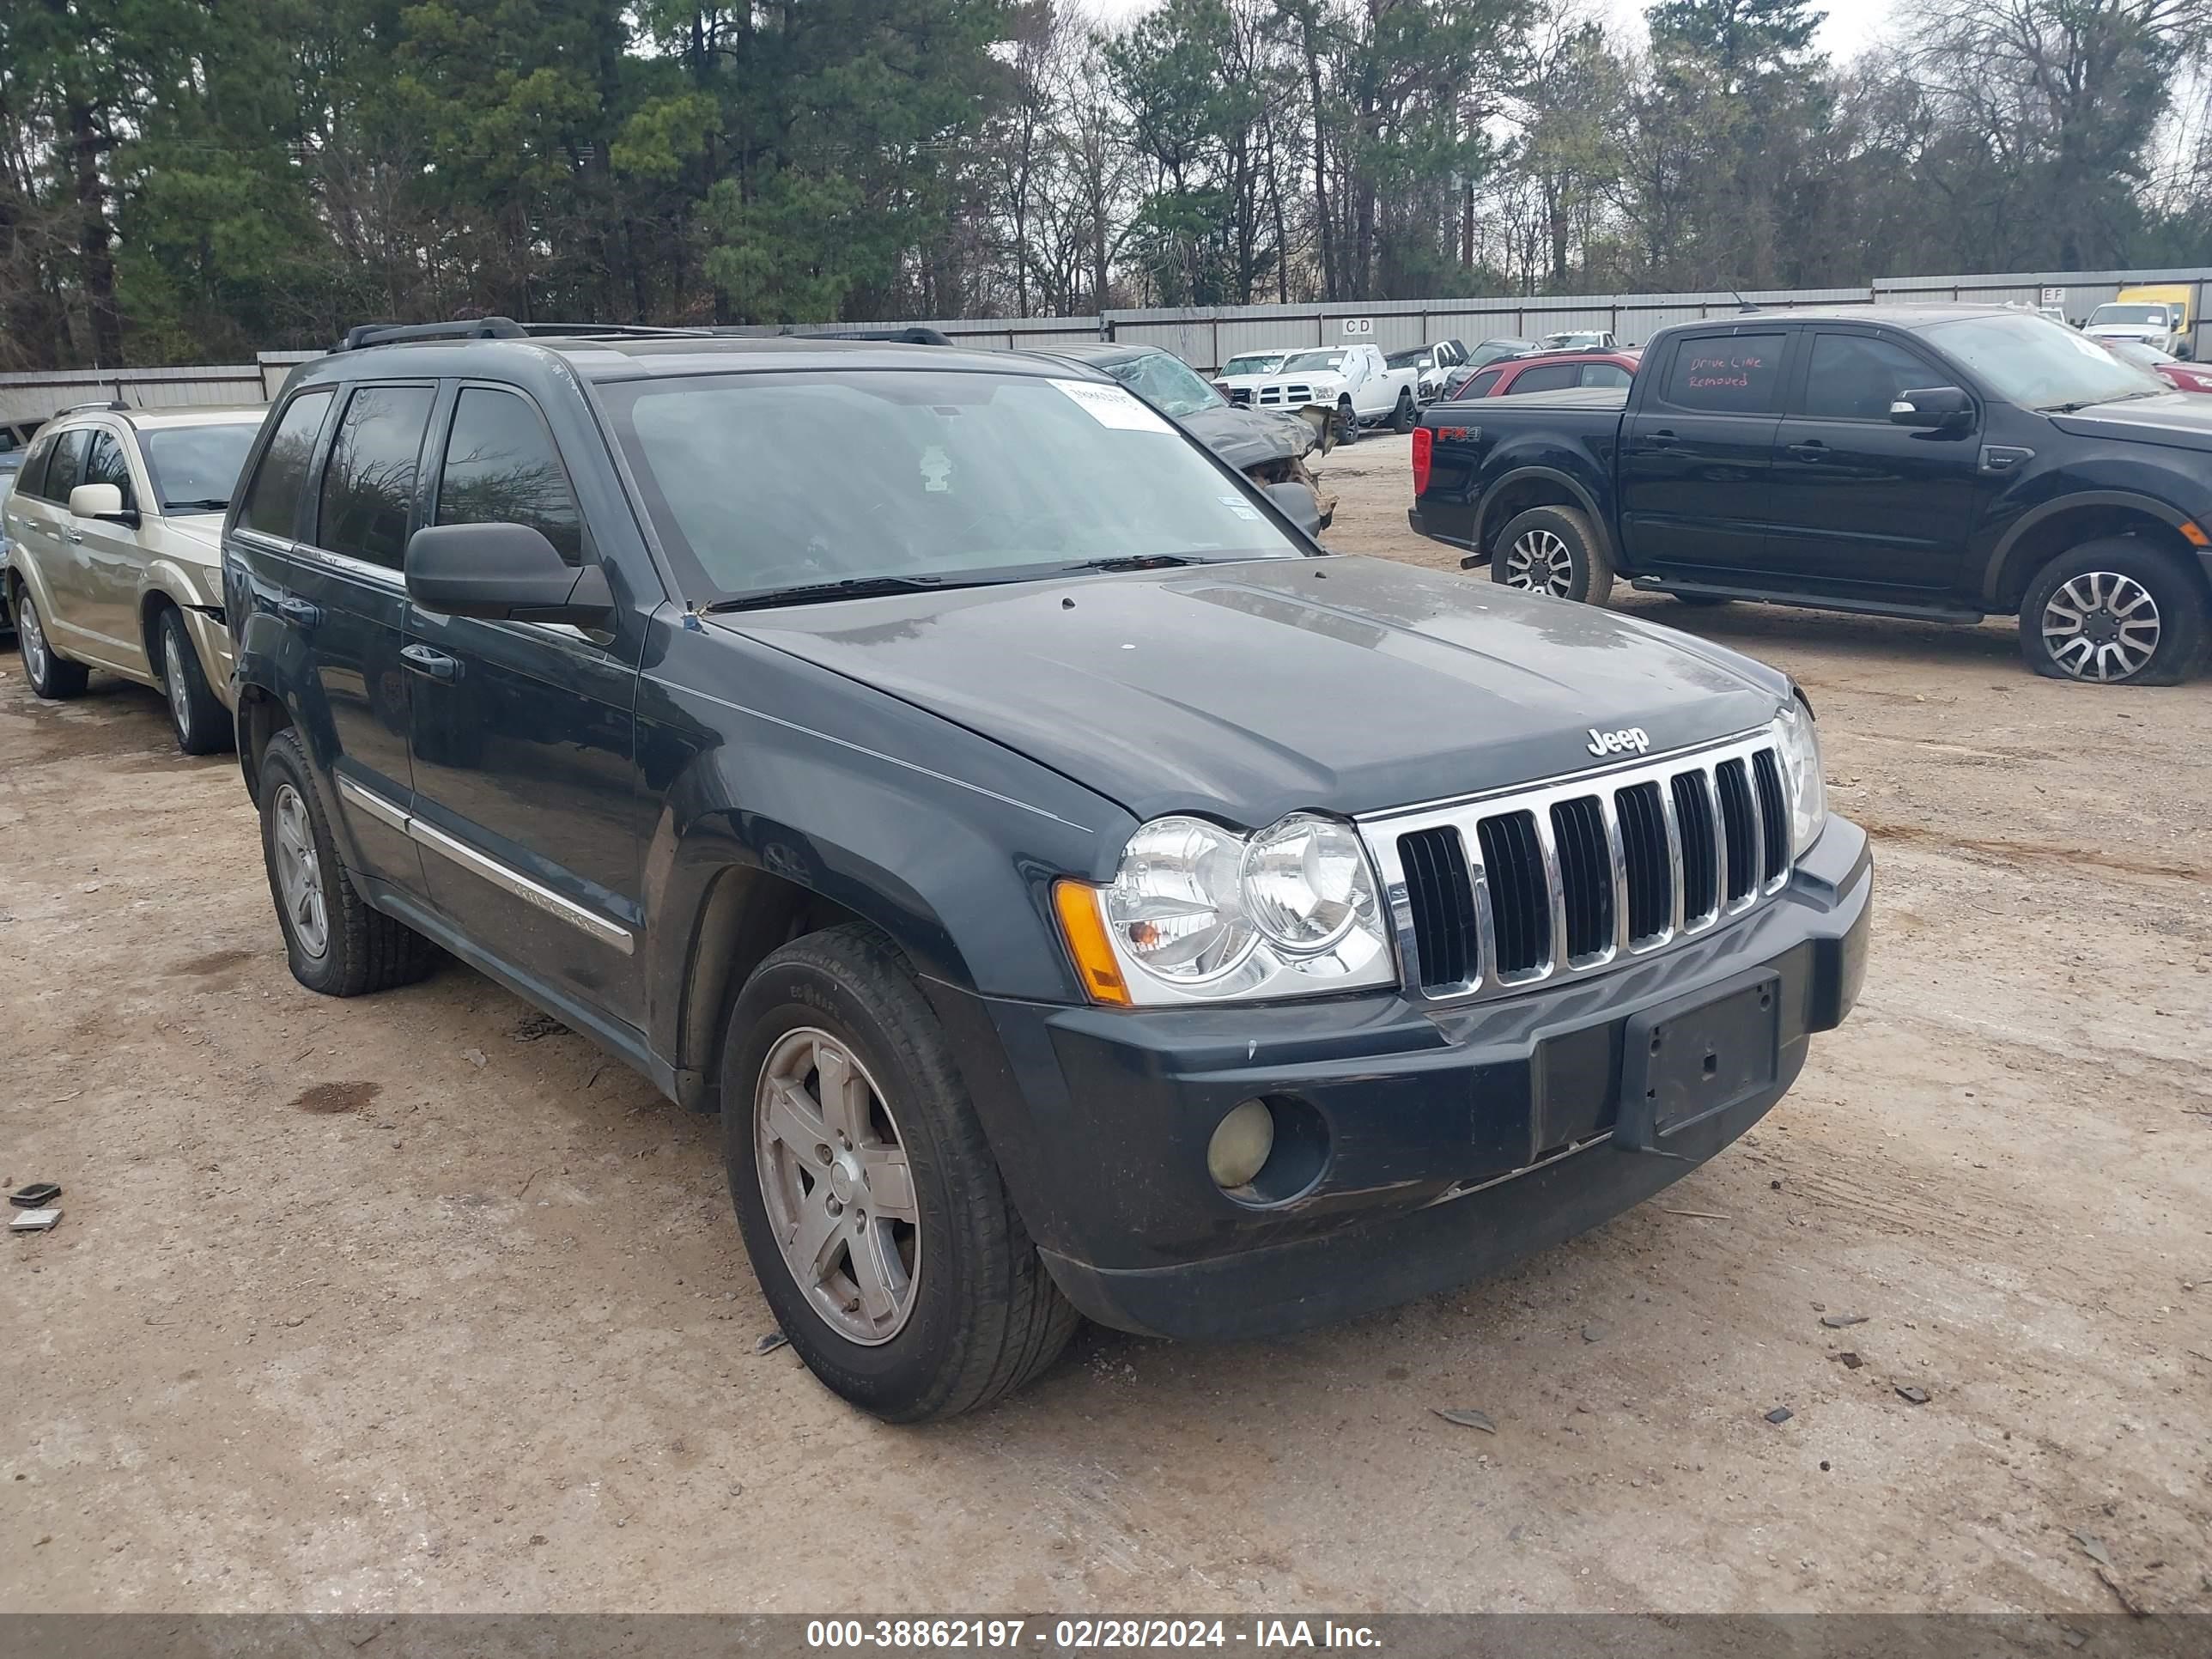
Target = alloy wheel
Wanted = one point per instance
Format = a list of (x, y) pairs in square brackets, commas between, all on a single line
[(299, 873), (839, 1191), (32, 638), (2102, 626), (1540, 561), (179, 688)]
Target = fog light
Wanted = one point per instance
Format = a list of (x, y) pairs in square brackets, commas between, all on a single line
[(1240, 1143)]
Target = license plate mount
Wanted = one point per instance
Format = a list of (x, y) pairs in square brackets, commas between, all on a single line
[(1690, 1060)]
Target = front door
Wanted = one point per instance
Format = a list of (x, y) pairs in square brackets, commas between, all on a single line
[(1857, 500), (113, 559), (526, 801), (1697, 456)]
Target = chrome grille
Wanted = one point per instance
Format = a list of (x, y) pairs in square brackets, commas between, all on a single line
[(1558, 880)]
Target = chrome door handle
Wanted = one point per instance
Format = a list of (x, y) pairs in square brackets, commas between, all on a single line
[(72, 535), (436, 664)]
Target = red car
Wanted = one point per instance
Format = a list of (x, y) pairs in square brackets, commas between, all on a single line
[(1547, 371), (2182, 377)]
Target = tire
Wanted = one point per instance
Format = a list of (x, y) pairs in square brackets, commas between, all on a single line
[(195, 712), (961, 1309), (1347, 424), (1553, 550), (1406, 416), (2117, 612), (337, 944), (52, 676)]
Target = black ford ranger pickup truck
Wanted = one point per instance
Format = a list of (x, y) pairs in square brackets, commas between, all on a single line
[(994, 807), (1943, 462)]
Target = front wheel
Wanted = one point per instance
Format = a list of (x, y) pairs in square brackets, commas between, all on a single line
[(875, 1216), (1347, 424), (2114, 612), (195, 712), (1553, 550), (1403, 419)]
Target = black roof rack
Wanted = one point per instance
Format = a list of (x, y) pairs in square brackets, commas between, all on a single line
[(895, 336), (492, 328)]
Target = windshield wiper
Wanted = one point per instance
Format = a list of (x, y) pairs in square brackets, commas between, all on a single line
[(852, 588), (2092, 402), (209, 504), (1138, 561)]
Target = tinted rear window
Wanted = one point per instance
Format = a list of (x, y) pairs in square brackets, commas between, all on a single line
[(368, 484), (65, 471), (1728, 374), (273, 504), (1545, 377)]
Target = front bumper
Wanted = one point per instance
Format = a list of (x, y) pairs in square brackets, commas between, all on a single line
[(1459, 1138)]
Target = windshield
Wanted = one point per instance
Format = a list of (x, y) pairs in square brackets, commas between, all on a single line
[(762, 482), (2153, 315), (1253, 363), (1309, 362), (2036, 364), (194, 467), (1167, 383)]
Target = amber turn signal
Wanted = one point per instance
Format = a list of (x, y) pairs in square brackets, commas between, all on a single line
[(1085, 929)]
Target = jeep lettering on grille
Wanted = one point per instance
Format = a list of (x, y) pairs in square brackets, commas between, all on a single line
[(1616, 742)]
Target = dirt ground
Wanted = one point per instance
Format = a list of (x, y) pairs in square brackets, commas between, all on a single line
[(404, 1303)]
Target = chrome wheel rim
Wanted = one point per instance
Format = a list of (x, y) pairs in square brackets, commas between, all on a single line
[(2101, 625), (839, 1191), (173, 676), (299, 873), (1540, 561), (32, 638)]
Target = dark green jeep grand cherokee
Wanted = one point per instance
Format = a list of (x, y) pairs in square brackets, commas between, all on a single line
[(1076, 891)]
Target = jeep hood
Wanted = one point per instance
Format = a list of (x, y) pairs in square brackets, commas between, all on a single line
[(1244, 691)]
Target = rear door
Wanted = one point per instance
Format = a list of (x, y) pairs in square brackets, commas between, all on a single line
[(1857, 500), (526, 796), (1697, 454), (51, 543)]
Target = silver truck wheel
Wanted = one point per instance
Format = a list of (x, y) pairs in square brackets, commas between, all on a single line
[(2116, 611), (1540, 562), (839, 1192)]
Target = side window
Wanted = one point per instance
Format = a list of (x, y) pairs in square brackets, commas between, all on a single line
[(1545, 377), (500, 468), (1727, 373), (368, 486), (104, 464), (32, 480), (65, 471), (1605, 374), (1481, 384), (1854, 377), (272, 500)]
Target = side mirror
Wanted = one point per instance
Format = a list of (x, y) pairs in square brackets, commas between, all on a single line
[(503, 572), (103, 501), (1297, 502), (1934, 408)]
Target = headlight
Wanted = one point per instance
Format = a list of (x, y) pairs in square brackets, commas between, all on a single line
[(1198, 914), (1800, 767)]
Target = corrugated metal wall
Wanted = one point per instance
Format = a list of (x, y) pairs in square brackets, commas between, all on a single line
[(1208, 336)]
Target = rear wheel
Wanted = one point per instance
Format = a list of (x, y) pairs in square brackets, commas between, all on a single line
[(51, 676), (336, 942), (1403, 419), (2114, 612), (201, 726), (875, 1216), (1553, 550)]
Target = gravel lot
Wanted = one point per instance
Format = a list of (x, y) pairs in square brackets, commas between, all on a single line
[(408, 1303)]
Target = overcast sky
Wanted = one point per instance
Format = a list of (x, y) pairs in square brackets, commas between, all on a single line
[(1850, 23)]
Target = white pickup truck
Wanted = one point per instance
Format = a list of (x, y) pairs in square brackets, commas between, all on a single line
[(1363, 390)]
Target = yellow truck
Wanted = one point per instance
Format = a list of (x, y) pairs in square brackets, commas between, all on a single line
[(2161, 314)]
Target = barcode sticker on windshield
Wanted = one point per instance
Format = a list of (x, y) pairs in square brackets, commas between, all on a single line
[(1111, 405)]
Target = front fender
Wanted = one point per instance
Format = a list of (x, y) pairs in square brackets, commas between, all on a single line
[(196, 590)]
